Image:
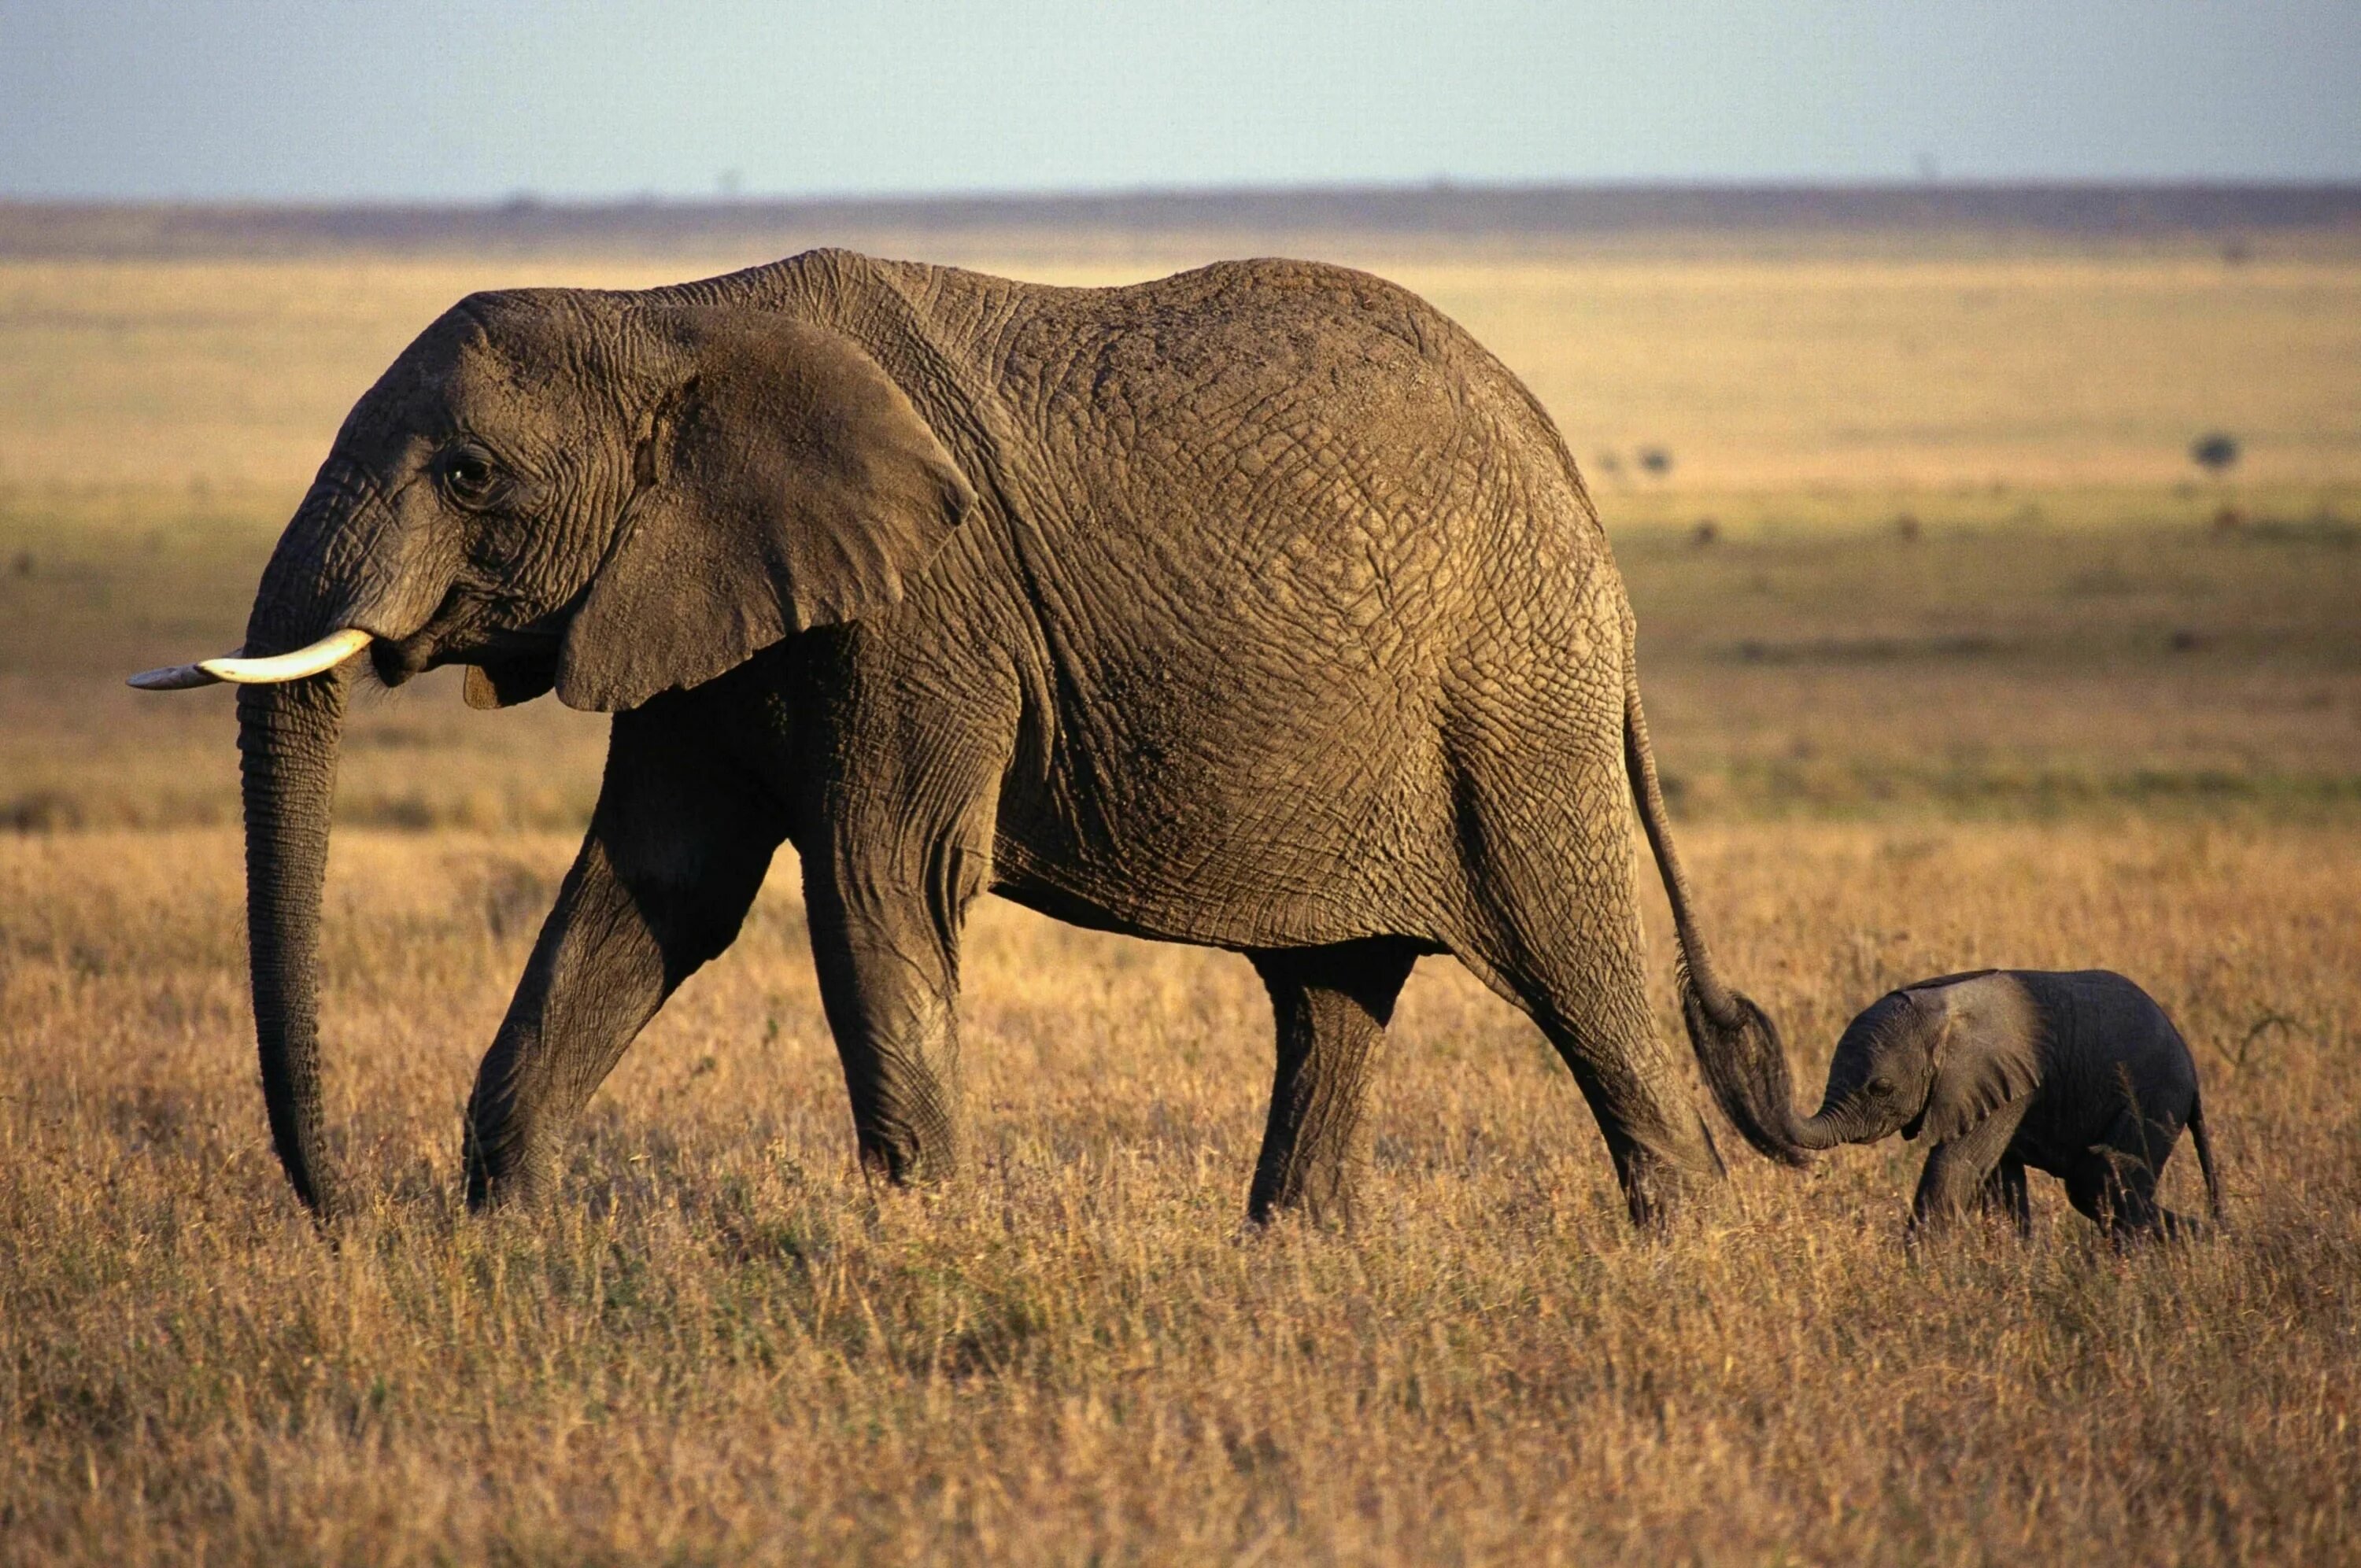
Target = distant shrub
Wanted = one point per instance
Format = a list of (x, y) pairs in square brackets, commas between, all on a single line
[(40, 811), (2217, 452)]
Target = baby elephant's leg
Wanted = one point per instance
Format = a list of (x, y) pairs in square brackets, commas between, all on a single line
[(2003, 1195), (2115, 1181), (1957, 1172)]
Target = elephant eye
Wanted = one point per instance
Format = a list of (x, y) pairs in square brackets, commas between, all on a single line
[(467, 474), (1880, 1086)]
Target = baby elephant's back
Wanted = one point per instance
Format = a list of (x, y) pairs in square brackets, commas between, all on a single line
[(2110, 1041)]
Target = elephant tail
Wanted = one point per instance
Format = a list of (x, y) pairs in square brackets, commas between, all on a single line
[(2204, 1146), (1738, 1047)]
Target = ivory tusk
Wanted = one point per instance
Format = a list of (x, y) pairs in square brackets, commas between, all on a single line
[(325, 655), (172, 678)]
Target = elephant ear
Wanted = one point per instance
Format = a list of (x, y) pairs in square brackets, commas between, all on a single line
[(784, 482), (1987, 1055)]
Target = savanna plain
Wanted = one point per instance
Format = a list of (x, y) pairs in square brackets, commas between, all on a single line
[(1953, 658)]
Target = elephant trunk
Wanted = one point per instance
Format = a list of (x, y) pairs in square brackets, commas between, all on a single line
[(1823, 1131), (289, 734)]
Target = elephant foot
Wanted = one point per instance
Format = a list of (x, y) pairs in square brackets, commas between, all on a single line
[(516, 1176), (916, 1155), (2163, 1227), (1319, 1192), (1661, 1192), (515, 1191)]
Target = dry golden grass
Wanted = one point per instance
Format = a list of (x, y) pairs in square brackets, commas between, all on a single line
[(724, 1345), (2065, 725)]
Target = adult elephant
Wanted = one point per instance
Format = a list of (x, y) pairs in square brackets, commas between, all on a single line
[(1258, 606)]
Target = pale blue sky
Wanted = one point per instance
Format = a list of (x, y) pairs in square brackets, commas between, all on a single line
[(330, 100)]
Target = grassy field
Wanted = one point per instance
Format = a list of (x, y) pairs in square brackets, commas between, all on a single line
[(2061, 718)]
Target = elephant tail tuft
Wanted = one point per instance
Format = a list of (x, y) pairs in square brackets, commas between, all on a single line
[(1738, 1047), (1745, 1065)]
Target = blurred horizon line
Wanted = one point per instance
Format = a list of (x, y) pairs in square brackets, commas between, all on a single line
[(1432, 209)]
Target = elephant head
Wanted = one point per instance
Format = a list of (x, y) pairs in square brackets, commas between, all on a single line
[(1936, 1058), (610, 495)]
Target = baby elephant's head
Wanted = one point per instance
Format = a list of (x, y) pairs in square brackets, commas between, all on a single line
[(1937, 1057), (1882, 1072)]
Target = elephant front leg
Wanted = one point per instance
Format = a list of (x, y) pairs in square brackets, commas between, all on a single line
[(676, 851), (1332, 1005), (887, 948), (2005, 1195), (1957, 1173)]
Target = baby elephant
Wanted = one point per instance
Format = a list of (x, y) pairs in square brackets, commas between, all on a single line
[(2080, 1075)]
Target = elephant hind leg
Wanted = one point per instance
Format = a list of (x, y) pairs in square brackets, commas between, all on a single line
[(1659, 1143), (1331, 1005), (1563, 942), (1546, 912), (2115, 1181)]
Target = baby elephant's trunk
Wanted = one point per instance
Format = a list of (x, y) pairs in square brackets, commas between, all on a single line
[(1819, 1132)]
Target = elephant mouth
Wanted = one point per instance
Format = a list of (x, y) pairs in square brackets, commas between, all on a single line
[(504, 683), (458, 634)]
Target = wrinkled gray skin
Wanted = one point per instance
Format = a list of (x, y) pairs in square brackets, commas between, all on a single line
[(1258, 606), (2080, 1075)]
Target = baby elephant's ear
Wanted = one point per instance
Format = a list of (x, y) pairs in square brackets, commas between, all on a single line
[(782, 482), (1986, 1055)]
